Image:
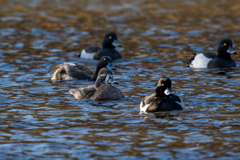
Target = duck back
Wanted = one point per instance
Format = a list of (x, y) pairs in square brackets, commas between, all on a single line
[(222, 62), (84, 92), (111, 52), (165, 104), (107, 92)]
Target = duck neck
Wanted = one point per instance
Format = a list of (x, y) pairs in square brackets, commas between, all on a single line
[(160, 95), (107, 45), (100, 81), (226, 55), (222, 53), (95, 75)]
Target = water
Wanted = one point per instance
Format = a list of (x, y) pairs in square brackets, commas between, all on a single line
[(40, 119)]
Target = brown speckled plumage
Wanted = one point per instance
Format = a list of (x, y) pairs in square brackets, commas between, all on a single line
[(102, 90), (107, 92), (67, 71)]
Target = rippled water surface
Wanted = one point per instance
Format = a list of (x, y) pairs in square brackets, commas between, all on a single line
[(39, 118)]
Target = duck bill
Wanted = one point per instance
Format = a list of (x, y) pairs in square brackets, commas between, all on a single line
[(109, 66), (116, 44), (167, 91), (230, 50), (111, 81)]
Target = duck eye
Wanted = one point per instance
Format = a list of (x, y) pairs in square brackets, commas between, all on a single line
[(225, 44), (110, 37), (104, 59), (162, 84)]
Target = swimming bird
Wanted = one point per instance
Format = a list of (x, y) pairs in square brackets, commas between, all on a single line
[(162, 99), (69, 71), (102, 90), (211, 60), (109, 43)]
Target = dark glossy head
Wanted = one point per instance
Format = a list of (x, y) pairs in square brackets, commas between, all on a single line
[(163, 88), (110, 40), (225, 48), (105, 76), (105, 62)]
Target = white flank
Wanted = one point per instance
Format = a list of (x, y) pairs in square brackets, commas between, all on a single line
[(86, 55), (181, 103), (143, 108), (200, 61), (67, 77), (71, 64)]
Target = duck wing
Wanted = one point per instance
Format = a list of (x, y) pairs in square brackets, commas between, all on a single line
[(89, 52), (172, 102), (74, 72), (85, 92), (107, 92), (85, 69), (210, 55), (148, 99), (92, 48)]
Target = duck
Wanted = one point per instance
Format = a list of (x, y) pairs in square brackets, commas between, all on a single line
[(102, 90), (162, 99), (109, 44), (211, 60), (70, 71)]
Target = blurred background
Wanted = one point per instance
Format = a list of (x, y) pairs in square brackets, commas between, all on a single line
[(40, 119)]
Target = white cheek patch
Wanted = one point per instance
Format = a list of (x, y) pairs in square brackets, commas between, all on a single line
[(200, 61), (86, 55)]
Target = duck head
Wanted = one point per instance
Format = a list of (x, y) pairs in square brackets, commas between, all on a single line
[(105, 62), (225, 48), (163, 88), (110, 40)]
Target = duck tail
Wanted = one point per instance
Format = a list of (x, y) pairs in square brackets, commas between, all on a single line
[(190, 60), (72, 91)]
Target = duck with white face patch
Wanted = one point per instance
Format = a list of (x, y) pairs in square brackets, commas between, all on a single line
[(110, 47), (162, 99), (69, 71), (211, 60), (102, 90)]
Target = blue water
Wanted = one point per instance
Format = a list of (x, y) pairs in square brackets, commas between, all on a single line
[(40, 119)]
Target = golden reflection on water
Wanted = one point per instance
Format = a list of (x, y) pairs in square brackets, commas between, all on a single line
[(41, 119)]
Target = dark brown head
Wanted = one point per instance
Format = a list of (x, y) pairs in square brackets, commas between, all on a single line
[(163, 88)]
